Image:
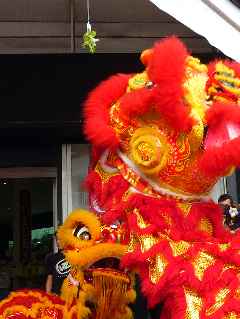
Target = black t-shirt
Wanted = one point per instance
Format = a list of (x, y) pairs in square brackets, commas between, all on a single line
[(59, 268), (140, 309)]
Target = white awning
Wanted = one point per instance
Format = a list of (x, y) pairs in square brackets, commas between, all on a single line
[(216, 20)]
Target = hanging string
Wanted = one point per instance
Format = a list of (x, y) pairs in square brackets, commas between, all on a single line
[(88, 11), (88, 16)]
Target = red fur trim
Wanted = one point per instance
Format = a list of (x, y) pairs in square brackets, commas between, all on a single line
[(214, 214), (174, 304), (180, 271), (107, 195), (136, 102), (27, 298), (216, 161), (114, 190), (97, 127), (222, 112), (93, 184), (111, 216), (151, 229), (166, 220), (95, 155), (157, 212), (166, 69)]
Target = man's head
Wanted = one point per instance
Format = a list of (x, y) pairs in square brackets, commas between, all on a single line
[(225, 200)]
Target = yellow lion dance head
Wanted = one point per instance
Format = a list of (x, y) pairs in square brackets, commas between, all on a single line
[(94, 252)]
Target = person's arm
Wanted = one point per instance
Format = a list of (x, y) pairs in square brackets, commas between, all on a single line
[(49, 273), (49, 282), (73, 281)]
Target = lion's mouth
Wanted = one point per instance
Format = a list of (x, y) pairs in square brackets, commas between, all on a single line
[(109, 262), (106, 266)]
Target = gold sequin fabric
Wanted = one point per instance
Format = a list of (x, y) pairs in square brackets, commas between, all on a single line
[(157, 266), (206, 226), (201, 263), (219, 301), (165, 257), (105, 176), (193, 304)]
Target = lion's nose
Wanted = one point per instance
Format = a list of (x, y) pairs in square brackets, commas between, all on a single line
[(111, 234)]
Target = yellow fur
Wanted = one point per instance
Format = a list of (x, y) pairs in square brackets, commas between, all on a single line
[(81, 254)]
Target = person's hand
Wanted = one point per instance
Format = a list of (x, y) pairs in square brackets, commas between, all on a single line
[(73, 281), (233, 211)]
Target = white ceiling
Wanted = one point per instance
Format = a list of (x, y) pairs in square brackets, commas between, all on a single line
[(216, 20)]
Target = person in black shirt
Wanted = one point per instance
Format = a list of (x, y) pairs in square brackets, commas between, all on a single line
[(57, 270), (140, 309)]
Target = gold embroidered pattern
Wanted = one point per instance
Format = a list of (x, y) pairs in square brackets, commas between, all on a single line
[(130, 176), (231, 266), (194, 304), (232, 315), (167, 219), (179, 247), (138, 81), (105, 176), (185, 208), (140, 221), (149, 150), (219, 301), (126, 195), (132, 243), (237, 293), (184, 153), (206, 226), (201, 263), (157, 267), (223, 247), (195, 93)]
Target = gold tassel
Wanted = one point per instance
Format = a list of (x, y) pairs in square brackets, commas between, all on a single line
[(111, 289), (68, 293)]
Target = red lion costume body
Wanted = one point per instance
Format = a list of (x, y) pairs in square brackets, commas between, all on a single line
[(161, 140)]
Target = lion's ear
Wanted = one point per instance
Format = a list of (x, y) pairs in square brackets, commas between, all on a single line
[(222, 142)]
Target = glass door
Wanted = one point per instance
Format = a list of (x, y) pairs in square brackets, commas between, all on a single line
[(28, 217)]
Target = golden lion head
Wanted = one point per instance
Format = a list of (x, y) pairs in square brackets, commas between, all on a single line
[(94, 252)]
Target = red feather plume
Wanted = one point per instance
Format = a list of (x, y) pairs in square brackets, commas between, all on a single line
[(97, 128), (166, 69)]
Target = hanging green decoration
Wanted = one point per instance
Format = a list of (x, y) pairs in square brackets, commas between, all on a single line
[(89, 37)]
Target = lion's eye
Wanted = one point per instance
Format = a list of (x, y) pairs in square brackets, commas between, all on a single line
[(82, 232)]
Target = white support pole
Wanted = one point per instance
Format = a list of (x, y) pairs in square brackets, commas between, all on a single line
[(66, 180)]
